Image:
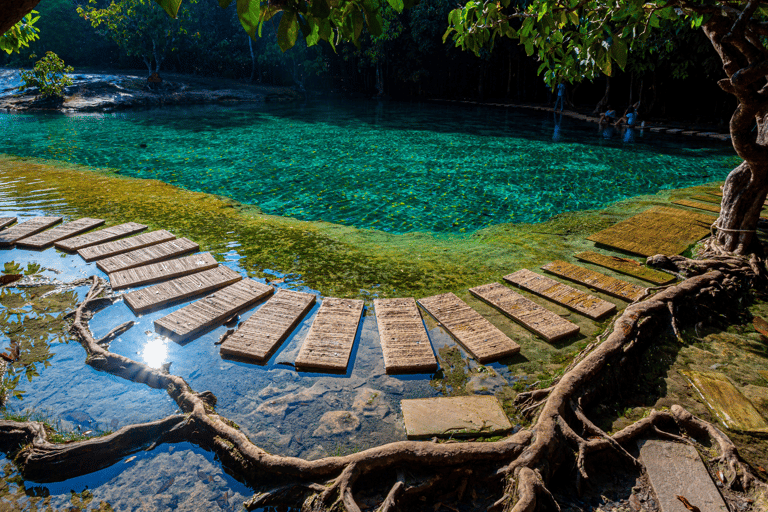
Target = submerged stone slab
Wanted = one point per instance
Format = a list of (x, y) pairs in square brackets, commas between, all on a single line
[(726, 402), (454, 417), (676, 469), (658, 230)]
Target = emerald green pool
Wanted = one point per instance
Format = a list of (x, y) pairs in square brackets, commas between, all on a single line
[(397, 167)]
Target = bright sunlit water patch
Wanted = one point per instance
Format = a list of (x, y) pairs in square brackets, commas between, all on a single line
[(155, 351), (389, 166)]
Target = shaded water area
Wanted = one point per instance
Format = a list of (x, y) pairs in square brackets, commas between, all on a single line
[(282, 410), (390, 166)]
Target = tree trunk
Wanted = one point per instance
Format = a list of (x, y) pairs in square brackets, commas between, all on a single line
[(12, 13), (253, 57), (603, 103), (743, 195)]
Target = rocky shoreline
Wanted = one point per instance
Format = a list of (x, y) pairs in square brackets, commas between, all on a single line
[(126, 92)]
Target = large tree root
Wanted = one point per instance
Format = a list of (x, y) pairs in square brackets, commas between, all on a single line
[(524, 462)]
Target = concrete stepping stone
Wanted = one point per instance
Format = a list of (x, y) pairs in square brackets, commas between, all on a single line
[(10, 236), (212, 310), (606, 284), (567, 296), (151, 254), (161, 271), (106, 250), (726, 402), (689, 132), (674, 131), (459, 416), (626, 266), (708, 198), (404, 340), (100, 236), (259, 336), (6, 221), (471, 330), (675, 469), (66, 230), (329, 342), (710, 207), (527, 313), (154, 297), (658, 230)]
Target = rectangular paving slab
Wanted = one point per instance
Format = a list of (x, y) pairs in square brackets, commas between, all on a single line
[(151, 254), (576, 300), (106, 250), (404, 340), (259, 336), (707, 198), (212, 310), (726, 402), (99, 237), (658, 230), (66, 230), (162, 271), (328, 344), (459, 416), (527, 313), (181, 288), (6, 221), (477, 335), (675, 469), (10, 236), (626, 266), (607, 284)]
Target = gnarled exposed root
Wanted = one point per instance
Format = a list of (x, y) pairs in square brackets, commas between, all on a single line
[(525, 461)]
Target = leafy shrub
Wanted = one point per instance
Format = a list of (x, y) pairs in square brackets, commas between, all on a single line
[(48, 76)]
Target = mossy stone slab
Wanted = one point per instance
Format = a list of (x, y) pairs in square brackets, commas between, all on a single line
[(675, 469), (626, 266), (658, 230), (763, 374), (726, 402), (458, 416)]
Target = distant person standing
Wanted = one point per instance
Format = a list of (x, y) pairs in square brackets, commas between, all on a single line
[(560, 96)]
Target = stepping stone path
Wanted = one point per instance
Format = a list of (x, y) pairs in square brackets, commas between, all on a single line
[(100, 236), (69, 229), (6, 221), (710, 207), (626, 266), (607, 284), (211, 310), (329, 342), (675, 469), (461, 416), (151, 254), (264, 331), (13, 234), (527, 313), (154, 272), (97, 252), (477, 335), (584, 303), (726, 402), (181, 288), (403, 339), (658, 230)]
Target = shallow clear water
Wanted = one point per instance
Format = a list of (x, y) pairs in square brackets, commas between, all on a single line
[(397, 167)]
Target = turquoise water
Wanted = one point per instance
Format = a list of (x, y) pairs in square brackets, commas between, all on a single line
[(397, 167)]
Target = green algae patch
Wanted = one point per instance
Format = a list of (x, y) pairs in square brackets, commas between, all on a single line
[(333, 259)]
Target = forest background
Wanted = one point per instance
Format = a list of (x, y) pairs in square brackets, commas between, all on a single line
[(674, 74)]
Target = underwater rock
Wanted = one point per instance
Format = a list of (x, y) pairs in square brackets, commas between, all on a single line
[(370, 402), (336, 422)]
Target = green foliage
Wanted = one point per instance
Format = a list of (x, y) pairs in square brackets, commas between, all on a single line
[(21, 34), (48, 76), (573, 40), (140, 27)]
